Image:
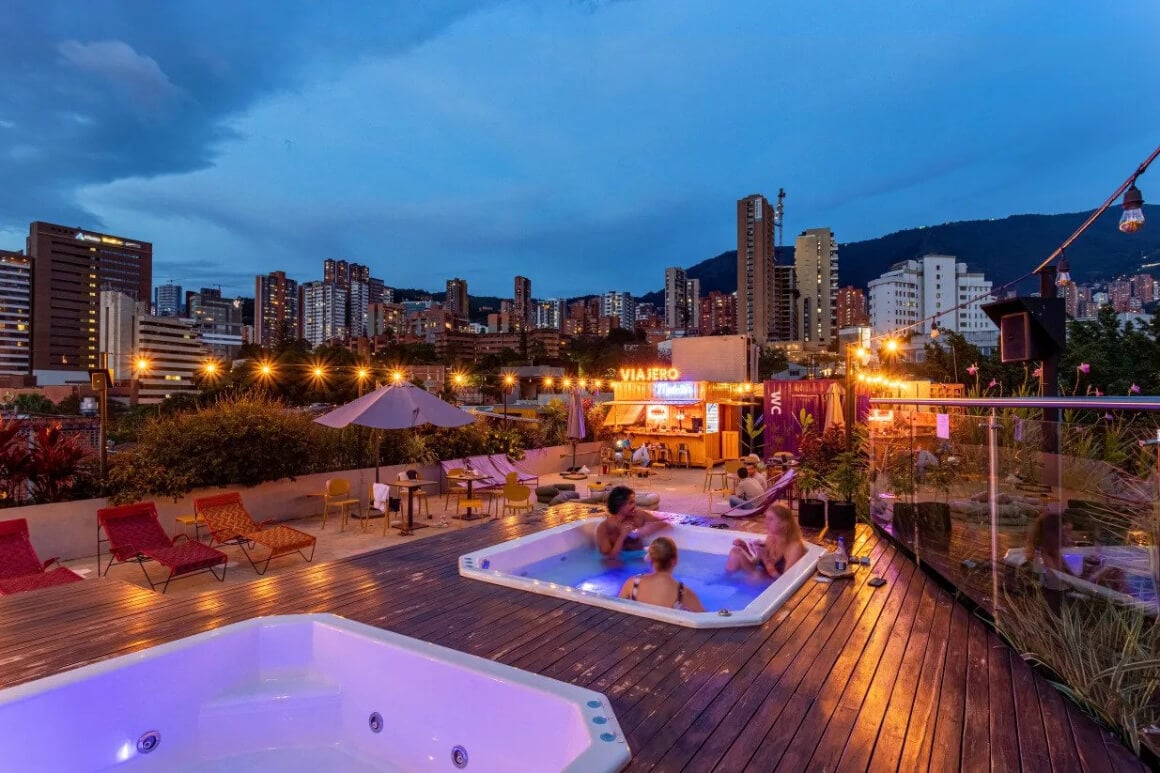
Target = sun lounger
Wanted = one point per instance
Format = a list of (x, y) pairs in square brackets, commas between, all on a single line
[(135, 535), (504, 465), (778, 489), (20, 568), (231, 524)]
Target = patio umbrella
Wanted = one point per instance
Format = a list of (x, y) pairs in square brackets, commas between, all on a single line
[(576, 427), (834, 416), (398, 406)]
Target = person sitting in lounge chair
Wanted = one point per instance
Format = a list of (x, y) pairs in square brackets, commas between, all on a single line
[(747, 488), (626, 525), (783, 546), (659, 587)]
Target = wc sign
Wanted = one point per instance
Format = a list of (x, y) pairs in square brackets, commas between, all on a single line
[(775, 403)]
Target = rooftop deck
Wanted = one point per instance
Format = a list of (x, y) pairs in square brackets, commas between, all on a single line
[(844, 677)]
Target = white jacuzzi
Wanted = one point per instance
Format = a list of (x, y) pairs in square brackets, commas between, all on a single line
[(1135, 564), (310, 693), (508, 564)]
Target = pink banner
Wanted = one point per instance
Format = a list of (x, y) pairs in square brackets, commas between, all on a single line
[(784, 403)]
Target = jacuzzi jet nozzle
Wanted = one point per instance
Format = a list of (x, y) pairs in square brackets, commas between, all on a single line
[(459, 757), (376, 722), (148, 742)]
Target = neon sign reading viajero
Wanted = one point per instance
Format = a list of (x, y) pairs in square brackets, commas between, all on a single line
[(649, 374)]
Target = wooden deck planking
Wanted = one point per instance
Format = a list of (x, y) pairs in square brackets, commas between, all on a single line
[(842, 672), (832, 744), (732, 709)]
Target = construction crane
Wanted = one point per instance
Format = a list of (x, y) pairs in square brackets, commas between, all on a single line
[(779, 216)]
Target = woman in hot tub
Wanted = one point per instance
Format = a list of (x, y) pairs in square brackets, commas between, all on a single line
[(783, 546), (659, 587), (626, 525)]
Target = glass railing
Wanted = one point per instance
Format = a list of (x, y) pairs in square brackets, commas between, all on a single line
[(1050, 526)]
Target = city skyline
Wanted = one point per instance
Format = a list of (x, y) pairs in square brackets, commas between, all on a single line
[(597, 146)]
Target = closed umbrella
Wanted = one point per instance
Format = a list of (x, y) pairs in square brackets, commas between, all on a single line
[(834, 416), (398, 406), (577, 430)]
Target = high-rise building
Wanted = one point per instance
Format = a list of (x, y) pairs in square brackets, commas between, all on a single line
[(619, 305), (550, 314), (357, 301), (693, 290), (784, 302), (275, 309), (522, 304), (1120, 295), (168, 301), (682, 300), (386, 319), (718, 313), (816, 274), (676, 299), (852, 307), (457, 301), (15, 313), (70, 268), (933, 286), (218, 321), (323, 312), (755, 308)]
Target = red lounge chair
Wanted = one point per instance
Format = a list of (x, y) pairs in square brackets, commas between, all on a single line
[(20, 567), (231, 524), (135, 534)]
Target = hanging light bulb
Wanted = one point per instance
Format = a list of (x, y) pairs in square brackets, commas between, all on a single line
[(1133, 218), (934, 331), (1063, 276)]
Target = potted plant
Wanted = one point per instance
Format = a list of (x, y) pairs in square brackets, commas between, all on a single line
[(817, 455), (847, 480)]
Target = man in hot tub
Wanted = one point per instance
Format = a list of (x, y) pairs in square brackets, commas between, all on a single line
[(626, 525)]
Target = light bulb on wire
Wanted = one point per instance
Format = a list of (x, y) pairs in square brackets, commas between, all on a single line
[(1063, 277), (1133, 218)]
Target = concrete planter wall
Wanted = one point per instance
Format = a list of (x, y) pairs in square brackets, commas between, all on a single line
[(68, 530)]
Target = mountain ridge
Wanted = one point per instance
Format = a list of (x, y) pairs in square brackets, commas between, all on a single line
[(1003, 249)]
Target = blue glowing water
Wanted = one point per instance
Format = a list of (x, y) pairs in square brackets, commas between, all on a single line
[(586, 569)]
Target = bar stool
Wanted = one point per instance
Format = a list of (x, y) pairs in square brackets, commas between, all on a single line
[(682, 455)]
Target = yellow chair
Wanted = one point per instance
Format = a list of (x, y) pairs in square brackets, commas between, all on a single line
[(337, 495), (455, 488), (516, 498)]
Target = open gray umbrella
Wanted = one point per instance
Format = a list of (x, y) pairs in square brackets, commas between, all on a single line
[(398, 406), (577, 430)]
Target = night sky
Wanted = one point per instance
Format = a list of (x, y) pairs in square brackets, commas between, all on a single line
[(587, 145)]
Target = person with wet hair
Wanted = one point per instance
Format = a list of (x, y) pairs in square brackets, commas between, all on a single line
[(659, 587), (626, 525)]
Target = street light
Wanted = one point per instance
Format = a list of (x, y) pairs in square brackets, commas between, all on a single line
[(362, 374), (508, 381)]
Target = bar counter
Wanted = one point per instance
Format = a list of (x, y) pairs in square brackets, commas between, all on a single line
[(704, 447)]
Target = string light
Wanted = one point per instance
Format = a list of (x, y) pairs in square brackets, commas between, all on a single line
[(1133, 218)]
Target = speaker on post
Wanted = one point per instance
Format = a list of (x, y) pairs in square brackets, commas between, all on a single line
[(1015, 338)]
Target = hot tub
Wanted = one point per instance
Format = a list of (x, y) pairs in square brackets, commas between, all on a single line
[(1134, 586), (305, 693), (563, 562)]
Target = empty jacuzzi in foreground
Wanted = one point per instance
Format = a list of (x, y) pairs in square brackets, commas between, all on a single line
[(305, 693), (563, 562)]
